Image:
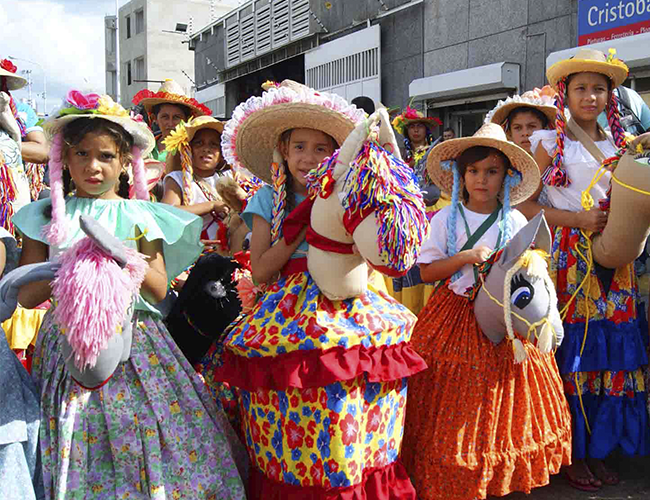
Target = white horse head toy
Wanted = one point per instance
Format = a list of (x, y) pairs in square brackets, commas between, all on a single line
[(518, 294), (367, 208)]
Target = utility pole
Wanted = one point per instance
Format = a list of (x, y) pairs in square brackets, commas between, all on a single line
[(117, 52)]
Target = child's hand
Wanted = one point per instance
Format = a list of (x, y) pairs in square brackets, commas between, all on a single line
[(220, 208), (593, 220), (478, 254)]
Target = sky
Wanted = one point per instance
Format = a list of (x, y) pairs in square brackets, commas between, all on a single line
[(65, 37)]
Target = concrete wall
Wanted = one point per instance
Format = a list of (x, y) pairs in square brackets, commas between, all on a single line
[(166, 55), (468, 33)]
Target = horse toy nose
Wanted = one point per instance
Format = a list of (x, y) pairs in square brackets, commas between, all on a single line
[(215, 289)]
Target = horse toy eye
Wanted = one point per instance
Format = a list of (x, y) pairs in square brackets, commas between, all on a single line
[(215, 289), (522, 292)]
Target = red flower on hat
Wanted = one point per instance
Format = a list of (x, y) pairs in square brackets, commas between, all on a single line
[(411, 113), (6, 64)]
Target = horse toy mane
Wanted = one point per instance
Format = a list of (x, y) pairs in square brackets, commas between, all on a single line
[(93, 290), (367, 208)]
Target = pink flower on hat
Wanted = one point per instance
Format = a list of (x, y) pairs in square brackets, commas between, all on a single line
[(82, 101), (412, 114)]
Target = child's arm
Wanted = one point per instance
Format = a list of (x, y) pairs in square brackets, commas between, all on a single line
[(154, 286), (37, 292), (445, 268), (174, 196), (591, 220), (267, 261)]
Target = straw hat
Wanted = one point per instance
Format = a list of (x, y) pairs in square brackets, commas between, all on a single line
[(491, 135), (539, 99), (170, 92), (251, 136), (8, 70), (409, 116), (78, 105), (589, 61)]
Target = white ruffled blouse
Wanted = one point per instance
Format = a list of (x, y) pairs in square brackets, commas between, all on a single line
[(579, 165)]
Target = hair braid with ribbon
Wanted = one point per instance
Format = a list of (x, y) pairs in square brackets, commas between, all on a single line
[(279, 178), (187, 171), (453, 215), (55, 231), (555, 175), (614, 121)]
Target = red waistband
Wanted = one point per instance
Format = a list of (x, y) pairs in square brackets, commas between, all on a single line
[(294, 266)]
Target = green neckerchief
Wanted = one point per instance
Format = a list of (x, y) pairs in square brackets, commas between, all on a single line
[(472, 239)]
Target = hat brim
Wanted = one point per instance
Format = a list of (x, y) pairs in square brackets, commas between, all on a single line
[(213, 125), (451, 149), (259, 134), (501, 114), (561, 69), (143, 138), (150, 102), (14, 82)]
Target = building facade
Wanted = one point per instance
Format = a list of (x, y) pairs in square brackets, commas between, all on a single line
[(453, 59), (153, 41)]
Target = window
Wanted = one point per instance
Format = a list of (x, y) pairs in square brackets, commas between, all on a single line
[(139, 21), (139, 69), (129, 78), (128, 26), (110, 42)]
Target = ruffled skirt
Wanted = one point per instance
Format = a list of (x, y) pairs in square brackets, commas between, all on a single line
[(322, 391), (478, 424), (603, 354), (152, 431)]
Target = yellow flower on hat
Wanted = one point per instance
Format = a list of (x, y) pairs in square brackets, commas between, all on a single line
[(106, 106), (176, 138)]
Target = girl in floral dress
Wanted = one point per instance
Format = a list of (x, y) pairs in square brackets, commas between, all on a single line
[(151, 430), (478, 424), (604, 348), (322, 383)]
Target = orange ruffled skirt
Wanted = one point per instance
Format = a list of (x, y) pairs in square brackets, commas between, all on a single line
[(478, 424)]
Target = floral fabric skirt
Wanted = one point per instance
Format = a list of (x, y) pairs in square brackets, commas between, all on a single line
[(478, 424), (151, 431), (322, 391), (602, 356)]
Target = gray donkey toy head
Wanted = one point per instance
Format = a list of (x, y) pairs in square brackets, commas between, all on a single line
[(518, 294)]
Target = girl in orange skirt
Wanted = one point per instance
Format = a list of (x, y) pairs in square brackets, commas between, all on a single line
[(477, 423)]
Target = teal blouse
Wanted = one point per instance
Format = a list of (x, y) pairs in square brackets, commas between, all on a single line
[(179, 230)]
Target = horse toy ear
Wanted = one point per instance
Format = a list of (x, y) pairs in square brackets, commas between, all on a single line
[(523, 240)]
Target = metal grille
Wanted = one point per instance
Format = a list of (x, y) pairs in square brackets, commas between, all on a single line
[(299, 18), (263, 26), (348, 69), (280, 23), (217, 106), (247, 35), (232, 40)]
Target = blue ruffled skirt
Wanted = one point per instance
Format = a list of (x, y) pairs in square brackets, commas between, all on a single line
[(603, 354)]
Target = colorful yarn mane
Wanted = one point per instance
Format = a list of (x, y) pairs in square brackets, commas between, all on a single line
[(7, 196), (377, 181), (92, 295)]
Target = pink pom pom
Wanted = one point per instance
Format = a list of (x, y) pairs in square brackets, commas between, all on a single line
[(93, 294), (139, 180), (55, 232)]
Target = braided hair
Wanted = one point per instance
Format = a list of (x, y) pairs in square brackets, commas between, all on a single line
[(555, 174)]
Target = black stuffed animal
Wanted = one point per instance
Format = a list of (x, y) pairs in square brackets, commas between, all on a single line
[(206, 305)]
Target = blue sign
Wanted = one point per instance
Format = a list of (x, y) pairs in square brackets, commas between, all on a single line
[(601, 20)]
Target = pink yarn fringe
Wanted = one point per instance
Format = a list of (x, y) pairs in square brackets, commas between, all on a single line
[(93, 294), (55, 232), (139, 181)]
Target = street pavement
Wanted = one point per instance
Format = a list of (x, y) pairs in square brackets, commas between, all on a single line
[(634, 485)]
